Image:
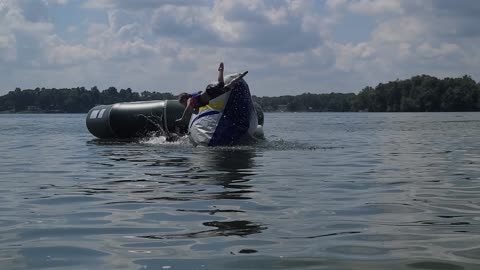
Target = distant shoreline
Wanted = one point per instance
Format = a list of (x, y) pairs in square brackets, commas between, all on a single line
[(422, 93), (35, 112)]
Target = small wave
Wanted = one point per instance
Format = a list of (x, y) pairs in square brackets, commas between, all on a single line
[(276, 144), (163, 140), (284, 145)]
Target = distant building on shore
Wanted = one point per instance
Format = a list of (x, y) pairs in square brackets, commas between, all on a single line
[(282, 108), (33, 108)]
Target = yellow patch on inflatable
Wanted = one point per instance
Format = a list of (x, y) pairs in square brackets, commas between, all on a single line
[(215, 106)]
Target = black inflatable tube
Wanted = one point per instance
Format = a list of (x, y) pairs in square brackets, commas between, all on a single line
[(133, 119)]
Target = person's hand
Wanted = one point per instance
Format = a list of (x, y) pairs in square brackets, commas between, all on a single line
[(220, 67)]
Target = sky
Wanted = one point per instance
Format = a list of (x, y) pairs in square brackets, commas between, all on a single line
[(289, 47)]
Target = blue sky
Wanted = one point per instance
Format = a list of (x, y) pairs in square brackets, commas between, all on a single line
[(288, 46)]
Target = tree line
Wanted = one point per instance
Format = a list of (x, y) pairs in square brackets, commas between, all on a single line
[(71, 100), (418, 94)]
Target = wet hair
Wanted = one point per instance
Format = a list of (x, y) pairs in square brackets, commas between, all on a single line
[(184, 96), (215, 89)]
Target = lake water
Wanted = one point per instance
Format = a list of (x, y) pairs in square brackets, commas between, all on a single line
[(324, 191)]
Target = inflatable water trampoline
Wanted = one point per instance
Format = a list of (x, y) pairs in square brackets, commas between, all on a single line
[(231, 118)]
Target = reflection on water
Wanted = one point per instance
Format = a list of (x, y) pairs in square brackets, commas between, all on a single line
[(232, 169), (228, 228), (229, 168)]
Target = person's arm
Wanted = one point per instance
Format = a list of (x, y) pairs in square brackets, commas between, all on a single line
[(187, 113), (220, 74), (213, 91)]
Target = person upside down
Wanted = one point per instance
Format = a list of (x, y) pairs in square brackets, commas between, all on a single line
[(194, 101)]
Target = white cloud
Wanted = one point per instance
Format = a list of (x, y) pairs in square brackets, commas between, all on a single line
[(189, 24), (141, 4), (335, 4), (118, 41), (377, 6), (445, 49), (71, 29), (69, 55), (8, 51), (402, 29), (58, 2), (351, 56)]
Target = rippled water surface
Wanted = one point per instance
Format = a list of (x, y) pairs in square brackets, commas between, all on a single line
[(324, 191)]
